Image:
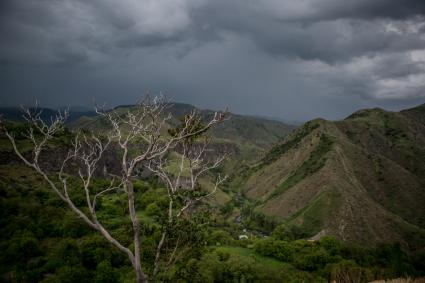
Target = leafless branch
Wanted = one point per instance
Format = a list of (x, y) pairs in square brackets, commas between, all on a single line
[(41, 133), (140, 133)]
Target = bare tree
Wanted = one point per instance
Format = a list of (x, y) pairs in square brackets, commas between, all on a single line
[(193, 164), (141, 134)]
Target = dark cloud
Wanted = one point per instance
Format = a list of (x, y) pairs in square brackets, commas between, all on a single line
[(364, 9), (397, 66), (316, 31), (292, 59)]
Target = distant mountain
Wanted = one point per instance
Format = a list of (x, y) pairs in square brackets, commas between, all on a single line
[(274, 118), (15, 113), (245, 137), (361, 179), (249, 136)]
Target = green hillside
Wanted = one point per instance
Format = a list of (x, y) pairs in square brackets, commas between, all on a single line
[(361, 179), (42, 241), (244, 137)]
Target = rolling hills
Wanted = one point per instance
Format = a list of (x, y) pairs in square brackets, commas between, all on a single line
[(245, 136), (361, 179)]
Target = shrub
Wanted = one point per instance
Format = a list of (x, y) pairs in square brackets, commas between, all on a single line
[(220, 237), (274, 248), (313, 260), (289, 232), (330, 244), (153, 209), (105, 273), (70, 274)]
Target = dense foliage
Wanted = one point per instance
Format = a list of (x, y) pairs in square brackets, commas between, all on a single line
[(41, 241)]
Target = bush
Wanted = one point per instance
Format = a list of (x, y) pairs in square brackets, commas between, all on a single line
[(153, 209), (274, 248), (105, 273), (74, 227), (140, 187), (242, 269), (67, 252), (332, 245), (289, 232), (22, 248), (70, 274), (220, 237), (227, 208), (312, 261), (158, 196)]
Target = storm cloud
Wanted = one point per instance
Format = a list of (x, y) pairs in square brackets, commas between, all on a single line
[(289, 59)]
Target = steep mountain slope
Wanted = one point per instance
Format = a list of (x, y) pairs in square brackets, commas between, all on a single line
[(360, 179)]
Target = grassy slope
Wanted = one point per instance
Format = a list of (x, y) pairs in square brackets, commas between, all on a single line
[(361, 179), (249, 253)]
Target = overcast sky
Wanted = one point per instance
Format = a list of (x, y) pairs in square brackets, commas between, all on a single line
[(292, 59)]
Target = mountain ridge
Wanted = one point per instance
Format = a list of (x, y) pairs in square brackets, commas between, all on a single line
[(251, 135), (364, 173)]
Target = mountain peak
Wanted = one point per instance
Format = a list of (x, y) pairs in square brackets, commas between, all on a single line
[(336, 176)]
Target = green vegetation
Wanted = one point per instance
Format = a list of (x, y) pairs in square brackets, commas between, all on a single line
[(313, 214), (175, 163), (20, 132), (259, 257), (292, 142), (272, 260), (280, 250), (256, 220), (372, 184), (289, 232), (42, 241), (313, 164)]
